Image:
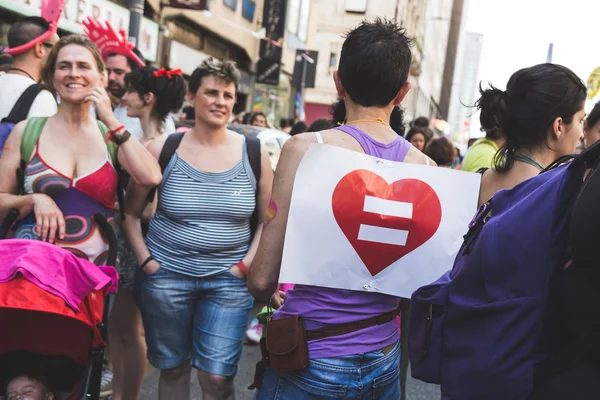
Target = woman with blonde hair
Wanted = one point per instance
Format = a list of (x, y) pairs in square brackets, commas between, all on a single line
[(69, 161)]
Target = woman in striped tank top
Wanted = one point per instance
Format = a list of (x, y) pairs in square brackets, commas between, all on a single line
[(191, 284)]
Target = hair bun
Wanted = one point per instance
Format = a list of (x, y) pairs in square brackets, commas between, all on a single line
[(492, 105)]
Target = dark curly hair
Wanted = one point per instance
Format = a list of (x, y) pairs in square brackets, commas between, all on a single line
[(442, 151), (169, 92)]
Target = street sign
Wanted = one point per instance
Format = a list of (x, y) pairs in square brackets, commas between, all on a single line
[(267, 71), (311, 69)]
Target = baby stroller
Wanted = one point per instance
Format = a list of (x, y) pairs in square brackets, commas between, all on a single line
[(54, 324)]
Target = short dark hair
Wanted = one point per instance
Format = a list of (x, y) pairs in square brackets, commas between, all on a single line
[(338, 111), (533, 99), (374, 62), (225, 70), (321, 124), (299, 127), (257, 114), (25, 30), (133, 65), (397, 120), (426, 132), (441, 150), (421, 121), (169, 92), (594, 116)]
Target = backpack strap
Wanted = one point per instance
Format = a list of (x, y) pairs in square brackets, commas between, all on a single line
[(31, 134), (113, 149), (21, 108), (254, 158), (169, 148)]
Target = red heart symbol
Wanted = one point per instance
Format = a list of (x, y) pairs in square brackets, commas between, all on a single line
[(350, 201)]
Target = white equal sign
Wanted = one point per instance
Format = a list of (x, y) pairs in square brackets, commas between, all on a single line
[(376, 205)]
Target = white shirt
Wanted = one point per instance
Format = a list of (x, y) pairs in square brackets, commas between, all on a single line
[(134, 126), (12, 87)]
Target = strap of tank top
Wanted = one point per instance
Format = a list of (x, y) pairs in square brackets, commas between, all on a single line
[(426, 160), (319, 137)]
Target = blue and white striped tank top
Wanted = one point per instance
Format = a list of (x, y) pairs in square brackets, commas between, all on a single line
[(202, 224)]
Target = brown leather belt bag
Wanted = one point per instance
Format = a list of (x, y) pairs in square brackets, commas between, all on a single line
[(285, 348)]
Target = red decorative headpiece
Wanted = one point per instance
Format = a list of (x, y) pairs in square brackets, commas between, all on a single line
[(109, 41), (51, 11), (169, 74)]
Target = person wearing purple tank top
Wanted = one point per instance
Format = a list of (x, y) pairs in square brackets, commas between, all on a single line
[(363, 364)]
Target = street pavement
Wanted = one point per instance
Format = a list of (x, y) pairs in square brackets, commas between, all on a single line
[(415, 390)]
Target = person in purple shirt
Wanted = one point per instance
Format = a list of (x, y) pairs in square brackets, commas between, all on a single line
[(362, 363)]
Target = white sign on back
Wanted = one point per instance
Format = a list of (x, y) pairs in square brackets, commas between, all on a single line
[(357, 222)]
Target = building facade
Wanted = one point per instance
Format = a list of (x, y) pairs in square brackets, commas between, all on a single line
[(427, 22), (226, 29), (464, 93), (75, 11)]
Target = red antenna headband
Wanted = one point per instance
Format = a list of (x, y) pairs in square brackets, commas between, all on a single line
[(109, 41), (51, 11)]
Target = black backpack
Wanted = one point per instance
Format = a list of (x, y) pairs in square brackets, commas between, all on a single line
[(252, 149), (573, 372), (19, 111)]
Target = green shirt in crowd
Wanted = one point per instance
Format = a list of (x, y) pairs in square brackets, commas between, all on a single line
[(480, 155)]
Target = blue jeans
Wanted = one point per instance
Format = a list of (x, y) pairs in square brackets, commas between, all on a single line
[(197, 320), (368, 376)]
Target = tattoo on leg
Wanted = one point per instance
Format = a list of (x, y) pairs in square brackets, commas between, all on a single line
[(270, 214)]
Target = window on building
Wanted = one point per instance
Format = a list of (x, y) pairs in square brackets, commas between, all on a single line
[(356, 6), (294, 16), (303, 24), (333, 60), (231, 4), (248, 9)]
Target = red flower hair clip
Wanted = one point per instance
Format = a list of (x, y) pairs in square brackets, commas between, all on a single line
[(168, 73), (109, 41)]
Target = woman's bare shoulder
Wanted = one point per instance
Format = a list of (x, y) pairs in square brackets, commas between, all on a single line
[(414, 156)]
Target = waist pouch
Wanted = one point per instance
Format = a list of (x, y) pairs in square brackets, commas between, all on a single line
[(285, 348)]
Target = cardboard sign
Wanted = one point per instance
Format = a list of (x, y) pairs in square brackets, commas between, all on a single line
[(361, 223)]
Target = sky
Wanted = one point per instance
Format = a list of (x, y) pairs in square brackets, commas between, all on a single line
[(517, 34)]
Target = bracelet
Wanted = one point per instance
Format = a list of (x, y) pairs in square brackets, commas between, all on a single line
[(120, 139), (146, 262), (243, 267), (110, 134)]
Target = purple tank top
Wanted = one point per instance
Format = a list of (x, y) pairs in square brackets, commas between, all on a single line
[(320, 306)]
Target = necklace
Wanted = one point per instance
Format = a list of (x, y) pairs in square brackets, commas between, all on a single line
[(378, 120), (23, 71), (527, 159)]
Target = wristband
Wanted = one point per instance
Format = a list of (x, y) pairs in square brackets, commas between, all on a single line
[(146, 262), (120, 139), (110, 134), (243, 267)]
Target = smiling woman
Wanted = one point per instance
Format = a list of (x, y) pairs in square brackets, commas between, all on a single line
[(69, 170)]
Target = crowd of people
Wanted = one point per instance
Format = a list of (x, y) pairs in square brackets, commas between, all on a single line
[(201, 216)]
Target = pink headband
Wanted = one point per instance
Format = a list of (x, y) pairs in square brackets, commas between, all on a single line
[(109, 41), (51, 11)]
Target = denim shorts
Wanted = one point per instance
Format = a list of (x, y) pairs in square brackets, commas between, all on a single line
[(367, 376), (197, 320)]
